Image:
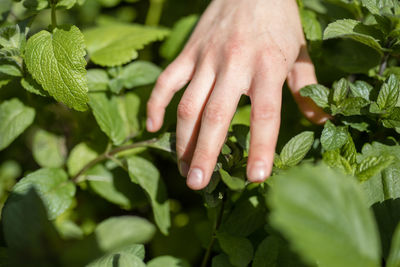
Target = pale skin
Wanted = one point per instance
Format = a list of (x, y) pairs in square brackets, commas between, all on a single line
[(239, 47)]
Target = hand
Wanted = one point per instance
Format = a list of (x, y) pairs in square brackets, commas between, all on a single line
[(238, 47)]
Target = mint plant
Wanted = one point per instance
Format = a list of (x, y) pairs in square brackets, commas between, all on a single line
[(83, 184)]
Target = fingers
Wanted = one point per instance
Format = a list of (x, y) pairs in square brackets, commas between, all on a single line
[(215, 121), (189, 115), (266, 95), (175, 77), (303, 74)]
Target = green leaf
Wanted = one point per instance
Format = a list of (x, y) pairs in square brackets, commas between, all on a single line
[(394, 256), (138, 73), (10, 69), (348, 28), (5, 7), (350, 106), (53, 186), (49, 150), (56, 61), (318, 93), (239, 249), (80, 155), (97, 80), (392, 120), (129, 108), (234, 183), (375, 6), (296, 149), (35, 5), (145, 174), (106, 111), (113, 45), (25, 225), (117, 189), (333, 159), (165, 142), (361, 89), (15, 117), (340, 90), (389, 93), (30, 85), (333, 137), (178, 37), (324, 216), (117, 232), (131, 256), (372, 165), (311, 26), (242, 135), (167, 261)]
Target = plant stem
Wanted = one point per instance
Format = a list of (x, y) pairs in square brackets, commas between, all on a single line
[(213, 237), (53, 15), (154, 13), (108, 154), (383, 65)]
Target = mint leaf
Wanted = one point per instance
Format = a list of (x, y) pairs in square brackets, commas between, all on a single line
[(79, 156), (234, 183), (353, 29), (339, 231), (372, 165), (340, 90), (318, 93), (10, 69), (129, 109), (178, 37), (361, 89), (239, 249), (350, 106), (167, 261), (118, 232), (221, 260), (311, 26), (56, 61), (296, 149), (146, 175), (106, 111), (333, 137), (97, 80), (113, 45), (375, 6), (333, 159), (49, 150), (388, 94), (14, 119), (53, 186), (127, 256), (30, 85)]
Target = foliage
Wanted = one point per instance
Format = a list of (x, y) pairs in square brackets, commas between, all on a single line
[(83, 184)]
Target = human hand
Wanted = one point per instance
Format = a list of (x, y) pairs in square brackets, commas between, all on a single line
[(238, 47)]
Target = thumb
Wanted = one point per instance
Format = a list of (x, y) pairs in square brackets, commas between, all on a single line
[(303, 74)]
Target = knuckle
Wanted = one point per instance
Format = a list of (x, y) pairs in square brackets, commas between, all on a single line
[(186, 109), (265, 113), (234, 48), (214, 114), (163, 80)]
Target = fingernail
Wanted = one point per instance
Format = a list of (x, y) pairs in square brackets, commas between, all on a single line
[(183, 168), (258, 171), (149, 124), (195, 178)]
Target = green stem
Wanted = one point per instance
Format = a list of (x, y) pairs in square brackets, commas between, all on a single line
[(214, 236), (154, 13), (53, 15), (106, 155)]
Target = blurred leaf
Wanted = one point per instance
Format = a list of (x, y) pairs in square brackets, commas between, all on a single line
[(221, 260), (117, 232), (97, 80), (339, 231), (311, 26), (242, 116), (117, 44), (56, 61), (296, 149), (167, 261), (234, 183), (179, 35), (242, 134), (394, 256), (10, 69), (5, 7), (371, 166), (129, 256), (53, 186), (348, 28), (106, 111), (30, 85), (15, 117), (333, 137), (239, 249), (145, 174), (49, 150), (80, 155), (318, 93)]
